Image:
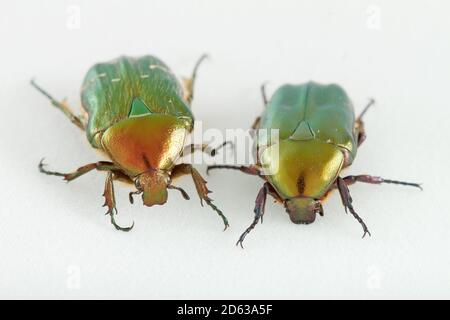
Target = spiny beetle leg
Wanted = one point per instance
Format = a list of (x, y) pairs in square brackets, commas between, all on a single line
[(377, 180), (260, 204), (110, 202), (101, 165), (204, 148), (200, 186), (347, 202), (61, 105)]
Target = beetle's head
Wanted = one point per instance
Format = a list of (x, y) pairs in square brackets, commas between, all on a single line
[(153, 185), (303, 210)]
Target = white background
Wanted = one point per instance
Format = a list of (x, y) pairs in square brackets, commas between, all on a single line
[(55, 241)]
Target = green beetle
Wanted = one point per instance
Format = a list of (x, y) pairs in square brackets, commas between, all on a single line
[(139, 115), (318, 138)]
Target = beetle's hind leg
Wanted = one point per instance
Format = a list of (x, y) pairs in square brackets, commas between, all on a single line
[(200, 186), (252, 170), (359, 123), (204, 148), (377, 180), (63, 106), (110, 202), (189, 83)]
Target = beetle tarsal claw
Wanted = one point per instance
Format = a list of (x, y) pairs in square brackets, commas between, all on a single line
[(124, 229), (41, 163), (42, 169), (219, 212), (366, 232)]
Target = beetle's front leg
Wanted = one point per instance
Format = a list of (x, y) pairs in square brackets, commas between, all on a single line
[(188, 83), (200, 185), (110, 202), (101, 166), (347, 202), (62, 105), (377, 180), (260, 205)]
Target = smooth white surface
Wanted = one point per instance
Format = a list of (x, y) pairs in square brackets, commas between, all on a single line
[(55, 241)]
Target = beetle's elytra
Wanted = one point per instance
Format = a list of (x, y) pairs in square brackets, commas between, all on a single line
[(318, 138), (139, 115)]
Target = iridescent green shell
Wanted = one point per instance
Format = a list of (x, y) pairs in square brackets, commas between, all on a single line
[(316, 140), (312, 111), (126, 86)]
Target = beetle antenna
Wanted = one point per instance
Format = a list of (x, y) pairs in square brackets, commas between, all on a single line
[(183, 193), (131, 194)]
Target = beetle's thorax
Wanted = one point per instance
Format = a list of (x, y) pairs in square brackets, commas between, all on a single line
[(145, 143), (302, 173)]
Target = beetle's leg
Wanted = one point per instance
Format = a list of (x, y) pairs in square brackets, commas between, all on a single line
[(188, 83), (255, 123), (347, 202), (359, 123), (101, 166), (204, 148), (377, 180), (260, 204), (110, 202), (200, 186), (252, 170), (265, 101), (263, 94), (61, 105)]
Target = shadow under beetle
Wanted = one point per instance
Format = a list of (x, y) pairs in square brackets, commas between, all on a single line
[(318, 138), (139, 115)]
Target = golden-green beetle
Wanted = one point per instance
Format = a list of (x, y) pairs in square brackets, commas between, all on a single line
[(139, 115), (318, 138)]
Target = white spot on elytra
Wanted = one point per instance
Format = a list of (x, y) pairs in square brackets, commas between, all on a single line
[(155, 66), (144, 76), (115, 80)]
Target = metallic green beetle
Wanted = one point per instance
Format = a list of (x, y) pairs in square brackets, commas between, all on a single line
[(318, 137), (139, 115)]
